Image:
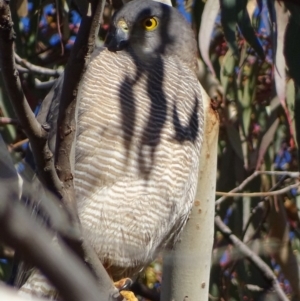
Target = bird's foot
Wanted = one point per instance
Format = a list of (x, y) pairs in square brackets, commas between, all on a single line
[(129, 296), (123, 285)]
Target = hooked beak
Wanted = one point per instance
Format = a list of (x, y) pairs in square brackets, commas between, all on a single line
[(116, 40)]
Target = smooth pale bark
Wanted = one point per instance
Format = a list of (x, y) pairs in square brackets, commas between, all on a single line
[(186, 269)]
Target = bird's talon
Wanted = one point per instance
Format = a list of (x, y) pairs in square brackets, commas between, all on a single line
[(123, 284)]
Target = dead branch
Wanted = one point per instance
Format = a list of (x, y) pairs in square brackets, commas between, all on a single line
[(257, 194), (251, 177), (261, 206), (36, 69), (34, 131), (44, 85), (255, 259), (7, 120)]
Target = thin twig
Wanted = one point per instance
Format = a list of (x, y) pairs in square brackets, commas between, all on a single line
[(258, 194), (36, 69), (44, 85), (251, 177), (260, 205), (17, 144), (58, 27), (255, 259), (35, 132), (7, 120)]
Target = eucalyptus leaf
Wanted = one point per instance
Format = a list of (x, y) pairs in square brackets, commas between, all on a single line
[(227, 73), (229, 10), (248, 32), (210, 12), (235, 140), (266, 141), (279, 72)]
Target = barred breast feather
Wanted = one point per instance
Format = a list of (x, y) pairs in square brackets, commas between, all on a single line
[(138, 141)]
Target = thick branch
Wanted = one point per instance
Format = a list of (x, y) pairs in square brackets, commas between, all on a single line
[(80, 55), (256, 260), (61, 266), (186, 268)]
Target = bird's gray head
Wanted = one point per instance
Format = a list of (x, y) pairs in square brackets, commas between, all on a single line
[(150, 29)]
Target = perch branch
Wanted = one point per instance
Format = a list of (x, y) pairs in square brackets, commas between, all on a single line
[(256, 260)]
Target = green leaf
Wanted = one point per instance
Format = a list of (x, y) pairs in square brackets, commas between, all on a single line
[(267, 139), (279, 72), (290, 101), (235, 140), (248, 32), (227, 74), (229, 10)]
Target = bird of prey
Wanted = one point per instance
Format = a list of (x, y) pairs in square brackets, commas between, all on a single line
[(138, 138)]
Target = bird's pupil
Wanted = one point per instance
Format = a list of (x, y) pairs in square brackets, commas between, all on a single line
[(148, 23)]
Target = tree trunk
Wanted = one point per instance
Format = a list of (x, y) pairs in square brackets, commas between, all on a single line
[(186, 269)]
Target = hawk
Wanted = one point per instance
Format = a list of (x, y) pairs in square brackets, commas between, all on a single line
[(139, 134)]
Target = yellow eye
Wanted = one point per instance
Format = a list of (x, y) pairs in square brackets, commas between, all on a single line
[(150, 23)]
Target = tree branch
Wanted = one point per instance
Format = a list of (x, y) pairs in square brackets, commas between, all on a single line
[(34, 131), (256, 260), (36, 69), (7, 120), (63, 268), (60, 180), (186, 269), (80, 56), (258, 194), (66, 123), (251, 177)]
